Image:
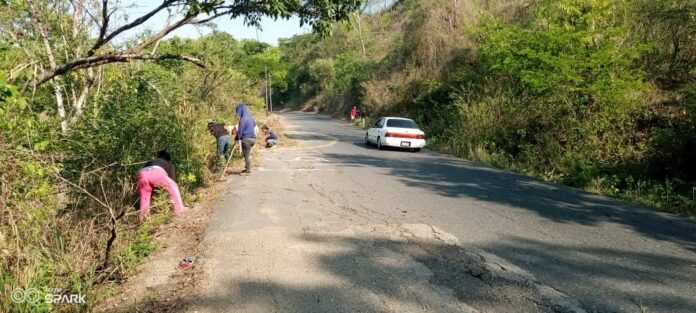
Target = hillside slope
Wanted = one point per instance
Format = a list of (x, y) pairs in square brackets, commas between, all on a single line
[(596, 94)]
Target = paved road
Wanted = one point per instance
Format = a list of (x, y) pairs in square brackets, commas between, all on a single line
[(334, 225)]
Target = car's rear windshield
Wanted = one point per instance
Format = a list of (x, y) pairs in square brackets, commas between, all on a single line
[(401, 123)]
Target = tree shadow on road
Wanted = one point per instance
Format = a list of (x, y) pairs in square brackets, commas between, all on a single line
[(616, 280), (381, 273), (463, 179), (378, 275)]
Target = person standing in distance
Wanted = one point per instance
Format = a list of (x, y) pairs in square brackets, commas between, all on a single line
[(246, 134)]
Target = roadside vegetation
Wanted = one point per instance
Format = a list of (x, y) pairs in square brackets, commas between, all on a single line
[(63, 194), (595, 94), (87, 94)]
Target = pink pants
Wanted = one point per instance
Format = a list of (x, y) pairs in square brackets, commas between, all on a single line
[(151, 177)]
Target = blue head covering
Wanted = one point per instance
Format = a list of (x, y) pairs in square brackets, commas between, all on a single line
[(246, 122)]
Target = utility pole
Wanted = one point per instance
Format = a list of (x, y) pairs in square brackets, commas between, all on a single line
[(266, 96), (266, 93)]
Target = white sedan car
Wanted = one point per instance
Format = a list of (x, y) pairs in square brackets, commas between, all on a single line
[(396, 132)]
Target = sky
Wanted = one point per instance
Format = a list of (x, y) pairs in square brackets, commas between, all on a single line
[(270, 33)]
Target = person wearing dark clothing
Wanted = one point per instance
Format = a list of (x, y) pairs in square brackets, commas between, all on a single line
[(246, 134), (224, 142), (158, 172), (363, 117), (271, 137), (163, 160)]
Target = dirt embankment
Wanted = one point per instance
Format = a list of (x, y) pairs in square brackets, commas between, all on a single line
[(160, 283)]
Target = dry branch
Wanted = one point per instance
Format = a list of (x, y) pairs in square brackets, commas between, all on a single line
[(111, 58), (104, 38)]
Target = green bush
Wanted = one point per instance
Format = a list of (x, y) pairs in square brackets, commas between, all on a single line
[(58, 191)]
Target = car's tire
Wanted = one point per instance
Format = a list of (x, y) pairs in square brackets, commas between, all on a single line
[(367, 141), (379, 144), (416, 150)]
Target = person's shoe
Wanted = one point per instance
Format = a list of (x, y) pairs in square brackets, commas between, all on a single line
[(245, 172)]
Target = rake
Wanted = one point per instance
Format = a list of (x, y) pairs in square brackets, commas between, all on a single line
[(228, 160)]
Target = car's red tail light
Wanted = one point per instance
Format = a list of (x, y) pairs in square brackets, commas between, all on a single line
[(402, 135)]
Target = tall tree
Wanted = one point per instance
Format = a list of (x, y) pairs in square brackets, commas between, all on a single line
[(317, 13), (66, 42)]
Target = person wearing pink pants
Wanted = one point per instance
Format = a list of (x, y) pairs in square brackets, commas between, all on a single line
[(159, 172)]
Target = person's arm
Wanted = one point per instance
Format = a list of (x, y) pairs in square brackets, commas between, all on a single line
[(173, 171), (237, 131)]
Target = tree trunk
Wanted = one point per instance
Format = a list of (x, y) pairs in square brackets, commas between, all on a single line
[(357, 19), (60, 106), (55, 82), (82, 99)]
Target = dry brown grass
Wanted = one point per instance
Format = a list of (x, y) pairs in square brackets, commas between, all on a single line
[(509, 10), (277, 124), (438, 28), (435, 36), (314, 104), (181, 238)]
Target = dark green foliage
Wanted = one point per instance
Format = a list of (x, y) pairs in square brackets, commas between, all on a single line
[(130, 127), (672, 146), (351, 72)]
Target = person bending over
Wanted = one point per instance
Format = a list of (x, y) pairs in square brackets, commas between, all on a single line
[(158, 173), (224, 142)]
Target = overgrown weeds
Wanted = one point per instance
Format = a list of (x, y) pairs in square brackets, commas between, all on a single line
[(68, 202)]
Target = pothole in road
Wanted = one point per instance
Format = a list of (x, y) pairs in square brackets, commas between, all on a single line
[(377, 268), (420, 255)]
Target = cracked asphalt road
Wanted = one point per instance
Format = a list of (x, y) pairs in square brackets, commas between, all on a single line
[(334, 225)]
